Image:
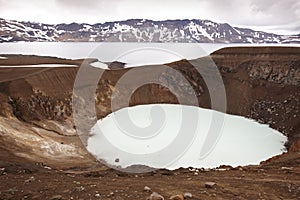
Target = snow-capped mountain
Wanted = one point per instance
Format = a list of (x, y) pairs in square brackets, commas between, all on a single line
[(138, 30)]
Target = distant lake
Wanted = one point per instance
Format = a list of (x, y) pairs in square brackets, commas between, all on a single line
[(131, 53)]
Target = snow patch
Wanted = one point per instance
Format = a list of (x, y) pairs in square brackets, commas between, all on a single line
[(99, 65), (197, 31), (250, 40), (182, 32), (39, 65)]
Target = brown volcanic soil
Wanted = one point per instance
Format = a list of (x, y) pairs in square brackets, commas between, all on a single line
[(276, 180), (36, 128)]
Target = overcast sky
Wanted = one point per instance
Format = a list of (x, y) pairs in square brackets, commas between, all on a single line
[(279, 16)]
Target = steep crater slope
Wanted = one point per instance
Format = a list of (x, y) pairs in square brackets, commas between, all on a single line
[(261, 83)]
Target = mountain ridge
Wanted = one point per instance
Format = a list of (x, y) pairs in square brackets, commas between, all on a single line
[(138, 30)]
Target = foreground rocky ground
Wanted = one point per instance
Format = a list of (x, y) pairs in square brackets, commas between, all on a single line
[(21, 179), (42, 157)]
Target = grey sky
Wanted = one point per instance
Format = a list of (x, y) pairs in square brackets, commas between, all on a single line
[(279, 16)]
